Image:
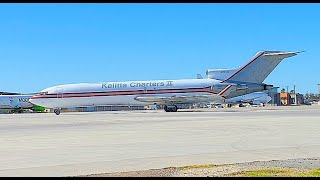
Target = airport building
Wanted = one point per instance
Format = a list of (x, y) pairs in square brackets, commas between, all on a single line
[(285, 98), (291, 98), (275, 97), (297, 98)]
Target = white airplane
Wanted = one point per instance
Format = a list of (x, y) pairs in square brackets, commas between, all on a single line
[(15, 102), (169, 93), (255, 98)]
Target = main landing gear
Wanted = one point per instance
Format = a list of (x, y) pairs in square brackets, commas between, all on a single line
[(16, 111), (56, 111), (171, 108)]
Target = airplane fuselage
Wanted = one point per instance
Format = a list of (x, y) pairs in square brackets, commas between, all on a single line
[(135, 93), (123, 93)]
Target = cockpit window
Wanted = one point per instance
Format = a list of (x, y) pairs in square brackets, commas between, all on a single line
[(43, 93)]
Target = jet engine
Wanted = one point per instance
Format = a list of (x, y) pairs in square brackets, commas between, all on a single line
[(267, 87)]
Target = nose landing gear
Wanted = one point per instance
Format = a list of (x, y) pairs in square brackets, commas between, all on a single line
[(56, 111), (171, 108)]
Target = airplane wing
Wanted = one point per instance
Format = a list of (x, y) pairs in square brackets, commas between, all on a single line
[(174, 98), (249, 99)]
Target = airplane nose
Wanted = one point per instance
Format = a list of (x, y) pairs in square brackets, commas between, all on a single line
[(33, 100), (39, 101)]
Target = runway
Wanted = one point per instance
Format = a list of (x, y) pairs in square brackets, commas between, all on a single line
[(89, 143)]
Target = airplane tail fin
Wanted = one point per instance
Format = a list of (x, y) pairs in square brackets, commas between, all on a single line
[(261, 65)]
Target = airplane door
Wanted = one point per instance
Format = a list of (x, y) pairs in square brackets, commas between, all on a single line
[(60, 93)]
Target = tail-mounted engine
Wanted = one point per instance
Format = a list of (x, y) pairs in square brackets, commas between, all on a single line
[(267, 87)]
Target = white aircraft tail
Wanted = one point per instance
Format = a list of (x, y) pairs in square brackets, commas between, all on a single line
[(261, 65)]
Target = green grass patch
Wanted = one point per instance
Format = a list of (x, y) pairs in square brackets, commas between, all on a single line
[(198, 166), (280, 172), (314, 173)]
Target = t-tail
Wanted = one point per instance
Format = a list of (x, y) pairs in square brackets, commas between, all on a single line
[(259, 67)]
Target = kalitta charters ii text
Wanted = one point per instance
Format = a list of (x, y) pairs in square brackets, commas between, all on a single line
[(137, 84)]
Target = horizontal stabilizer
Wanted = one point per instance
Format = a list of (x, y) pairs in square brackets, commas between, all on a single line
[(220, 74)]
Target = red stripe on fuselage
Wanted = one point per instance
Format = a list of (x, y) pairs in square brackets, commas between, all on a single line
[(225, 90), (124, 93)]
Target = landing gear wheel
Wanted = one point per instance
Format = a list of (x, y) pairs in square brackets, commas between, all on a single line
[(171, 108), (167, 109), (174, 109), (56, 111)]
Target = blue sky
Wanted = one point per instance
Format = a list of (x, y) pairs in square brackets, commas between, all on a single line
[(43, 45)]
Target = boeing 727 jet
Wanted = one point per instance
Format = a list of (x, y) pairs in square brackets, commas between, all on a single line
[(169, 93)]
